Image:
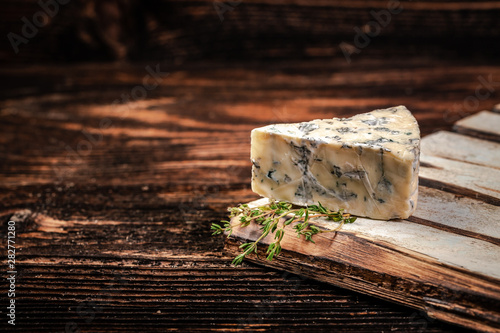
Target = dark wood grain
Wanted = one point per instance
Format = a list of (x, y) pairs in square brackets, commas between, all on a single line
[(182, 30), (125, 222)]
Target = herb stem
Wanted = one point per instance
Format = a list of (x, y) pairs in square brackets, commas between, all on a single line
[(269, 217)]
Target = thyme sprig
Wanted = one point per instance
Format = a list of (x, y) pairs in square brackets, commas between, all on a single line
[(273, 218)]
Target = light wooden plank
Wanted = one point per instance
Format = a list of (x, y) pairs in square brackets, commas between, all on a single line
[(464, 148), (468, 176), (404, 262), (458, 212), (455, 250), (452, 249), (484, 125)]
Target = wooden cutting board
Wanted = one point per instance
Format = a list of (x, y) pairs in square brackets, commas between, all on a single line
[(444, 260)]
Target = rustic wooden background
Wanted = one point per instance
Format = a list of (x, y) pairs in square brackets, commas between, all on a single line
[(113, 201), (180, 30)]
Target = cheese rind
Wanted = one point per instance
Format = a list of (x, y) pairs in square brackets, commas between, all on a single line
[(367, 164)]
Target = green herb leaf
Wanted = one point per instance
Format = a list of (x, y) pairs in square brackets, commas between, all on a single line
[(273, 218)]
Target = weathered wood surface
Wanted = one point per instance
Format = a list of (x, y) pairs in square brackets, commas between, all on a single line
[(474, 180), (454, 211), (204, 29), (115, 236), (453, 277), (442, 260), (457, 147), (485, 125)]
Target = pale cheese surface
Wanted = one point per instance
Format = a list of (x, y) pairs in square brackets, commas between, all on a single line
[(366, 164)]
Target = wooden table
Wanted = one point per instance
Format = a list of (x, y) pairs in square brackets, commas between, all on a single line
[(113, 196)]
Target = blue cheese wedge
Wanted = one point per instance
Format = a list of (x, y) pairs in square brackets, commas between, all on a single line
[(367, 164)]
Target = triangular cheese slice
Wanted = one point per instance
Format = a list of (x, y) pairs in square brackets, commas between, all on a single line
[(367, 165)]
